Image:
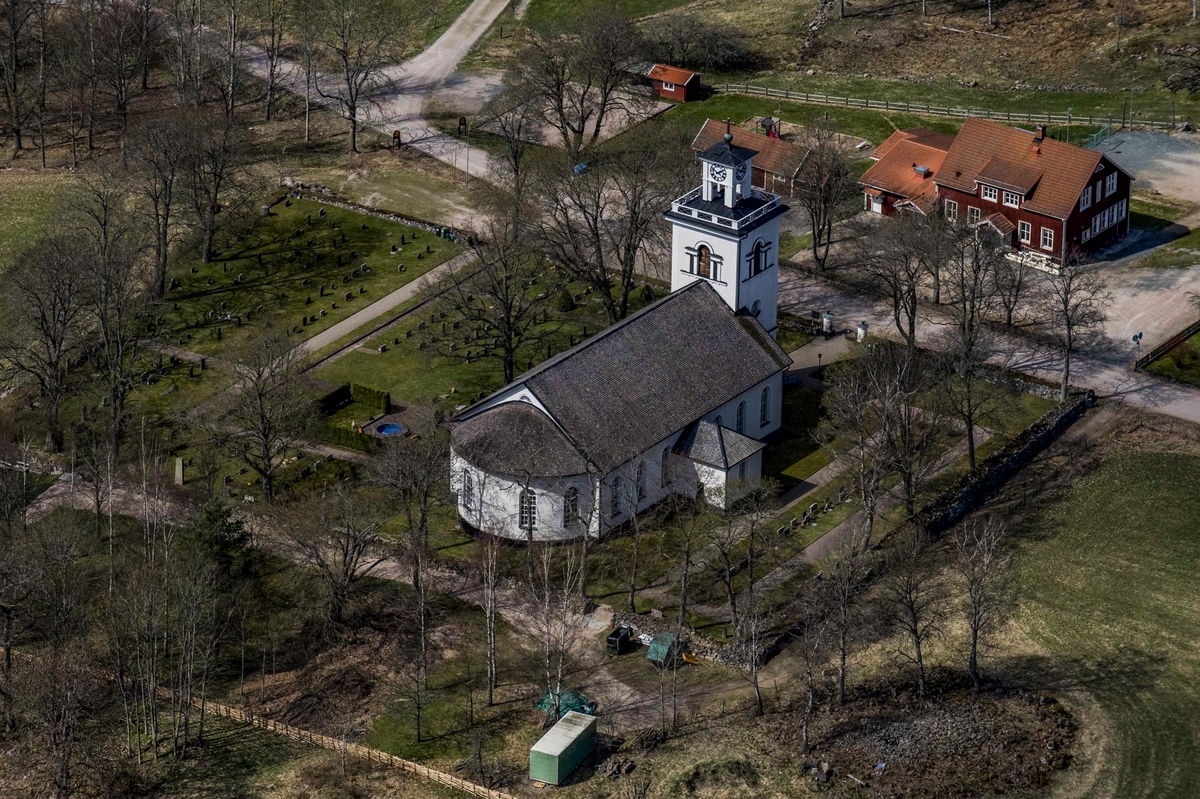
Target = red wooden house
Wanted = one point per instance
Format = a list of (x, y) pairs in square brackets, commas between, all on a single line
[(1047, 197), (674, 83), (776, 164)]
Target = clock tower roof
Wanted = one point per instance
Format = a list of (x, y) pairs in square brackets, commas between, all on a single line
[(726, 153)]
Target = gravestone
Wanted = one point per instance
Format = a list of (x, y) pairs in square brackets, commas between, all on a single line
[(179, 471)]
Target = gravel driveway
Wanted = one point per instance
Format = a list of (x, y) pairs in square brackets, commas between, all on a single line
[(1165, 162)]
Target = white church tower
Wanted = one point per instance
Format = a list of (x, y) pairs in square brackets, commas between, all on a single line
[(726, 232)]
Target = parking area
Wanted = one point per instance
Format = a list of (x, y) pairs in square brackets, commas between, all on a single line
[(1168, 163)]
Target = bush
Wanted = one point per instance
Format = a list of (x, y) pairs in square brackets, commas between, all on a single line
[(371, 397), (563, 302), (646, 293)]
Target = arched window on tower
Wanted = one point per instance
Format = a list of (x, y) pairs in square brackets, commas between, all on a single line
[(764, 408), (741, 417), (527, 515), (703, 261), (570, 506), (759, 257), (640, 480)]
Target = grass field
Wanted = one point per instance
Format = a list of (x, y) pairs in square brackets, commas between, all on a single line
[(543, 12), (1181, 363), (28, 200), (297, 264), (1181, 253), (1108, 591)]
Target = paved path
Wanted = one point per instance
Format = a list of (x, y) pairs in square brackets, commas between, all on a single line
[(379, 307), (1103, 367), (398, 102)]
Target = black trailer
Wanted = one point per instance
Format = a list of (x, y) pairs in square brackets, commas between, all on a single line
[(618, 640)]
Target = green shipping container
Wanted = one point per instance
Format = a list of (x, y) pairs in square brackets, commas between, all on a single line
[(562, 748)]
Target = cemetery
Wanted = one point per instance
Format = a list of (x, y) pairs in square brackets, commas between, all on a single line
[(305, 265)]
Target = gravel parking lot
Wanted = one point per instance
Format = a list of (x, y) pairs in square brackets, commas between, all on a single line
[(1165, 162)]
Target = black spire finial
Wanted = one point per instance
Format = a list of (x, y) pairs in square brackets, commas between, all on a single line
[(728, 137)]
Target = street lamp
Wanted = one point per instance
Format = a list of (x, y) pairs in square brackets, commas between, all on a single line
[(819, 366), (1137, 339)]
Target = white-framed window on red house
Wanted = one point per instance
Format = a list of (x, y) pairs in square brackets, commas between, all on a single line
[(1110, 185), (1096, 224), (990, 193), (1099, 196), (972, 215), (1012, 199), (1047, 239), (952, 210), (1122, 208), (1087, 234), (668, 86), (1025, 232), (1085, 201)]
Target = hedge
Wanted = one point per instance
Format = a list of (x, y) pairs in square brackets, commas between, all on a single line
[(372, 398), (346, 438), (335, 400)]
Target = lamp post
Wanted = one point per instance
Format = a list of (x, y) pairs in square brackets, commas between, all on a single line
[(819, 366), (1137, 339)]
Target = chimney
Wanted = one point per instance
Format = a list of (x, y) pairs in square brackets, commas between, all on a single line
[(922, 171), (1041, 134)]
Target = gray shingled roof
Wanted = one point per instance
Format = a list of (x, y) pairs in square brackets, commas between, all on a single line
[(633, 385), (728, 154), (710, 443), (518, 439)]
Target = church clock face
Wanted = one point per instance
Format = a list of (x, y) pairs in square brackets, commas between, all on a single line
[(740, 172), (717, 173)]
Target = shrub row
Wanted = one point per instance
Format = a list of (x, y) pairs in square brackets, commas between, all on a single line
[(335, 400)]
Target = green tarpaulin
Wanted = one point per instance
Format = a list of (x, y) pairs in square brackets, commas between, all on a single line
[(570, 700), (662, 649)]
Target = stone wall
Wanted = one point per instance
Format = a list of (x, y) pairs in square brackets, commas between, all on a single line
[(327, 196)]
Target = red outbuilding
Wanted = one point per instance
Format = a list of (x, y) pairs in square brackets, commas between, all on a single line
[(674, 83)]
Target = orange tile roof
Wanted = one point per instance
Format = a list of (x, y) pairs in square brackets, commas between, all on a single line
[(1052, 174), (930, 138), (897, 172), (776, 156), (676, 75)]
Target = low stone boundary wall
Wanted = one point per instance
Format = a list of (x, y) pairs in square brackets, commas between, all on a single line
[(327, 196)]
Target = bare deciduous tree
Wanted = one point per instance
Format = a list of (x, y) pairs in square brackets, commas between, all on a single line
[(1076, 298), (845, 570), (825, 185), (215, 149), (274, 26), (982, 566), (160, 147), (43, 306), (357, 34), (913, 596), (266, 412)]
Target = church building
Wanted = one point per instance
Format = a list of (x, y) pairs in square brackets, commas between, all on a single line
[(675, 399)]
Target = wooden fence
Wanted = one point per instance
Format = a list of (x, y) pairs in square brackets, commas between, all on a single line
[(351, 750), (1167, 346), (928, 109)]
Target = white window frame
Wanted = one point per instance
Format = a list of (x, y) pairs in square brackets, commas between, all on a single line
[(742, 471), (1096, 225), (764, 407), (989, 193), (1085, 199), (571, 513), (1099, 188), (740, 417), (468, 483), (952, 210), (1047, 238), (1110, 185), (527, 509), (1087, 235), (1012, 199), (973, 215), (668, 86), (1122, 209), (1025, 232)]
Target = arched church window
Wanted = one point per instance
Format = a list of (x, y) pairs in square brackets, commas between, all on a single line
[(527, 516), (614, 500), (640, 480), (468, 491), (764, 407), (758, 258), (664, 473), (704, 261), (741, 417), (570, 506)]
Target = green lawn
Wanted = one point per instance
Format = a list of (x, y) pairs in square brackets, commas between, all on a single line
[(542, 12), (27, 202), (792, 243), (288, 276), (1106, 581), (1151, 212), (794, 454), (1181, 253), (1182, 362)]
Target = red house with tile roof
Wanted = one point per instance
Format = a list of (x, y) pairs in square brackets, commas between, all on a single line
[(1045, 196), (674, 83), (776, 162)]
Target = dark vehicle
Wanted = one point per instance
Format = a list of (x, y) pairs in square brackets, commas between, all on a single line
[(618, 641)]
